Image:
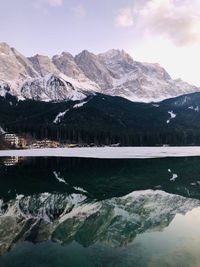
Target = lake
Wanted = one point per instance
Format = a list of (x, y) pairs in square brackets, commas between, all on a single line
[(71, 211)]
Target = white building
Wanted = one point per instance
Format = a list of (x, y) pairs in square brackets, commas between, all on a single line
[(11, 139)]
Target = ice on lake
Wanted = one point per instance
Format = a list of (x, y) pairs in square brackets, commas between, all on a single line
[(107, 152)]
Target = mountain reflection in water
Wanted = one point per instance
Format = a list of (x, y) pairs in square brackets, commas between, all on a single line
[(106, 205)]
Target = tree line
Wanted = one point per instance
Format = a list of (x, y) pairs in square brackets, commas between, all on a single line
[(82, 135)]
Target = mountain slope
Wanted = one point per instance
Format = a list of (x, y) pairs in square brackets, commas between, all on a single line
[(66, 64), (94, 69), (42, 64), (51, 87), (141, 81), (38, 78), (14, 68), (113, 73), (104, 119)]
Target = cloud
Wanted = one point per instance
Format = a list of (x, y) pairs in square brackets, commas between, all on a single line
[(41, 4), (79, 11), (178, 21), (124, 17), (36, 5), (55, 3)]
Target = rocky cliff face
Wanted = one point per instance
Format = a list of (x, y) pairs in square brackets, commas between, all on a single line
[(114, 73), (42, 65), (66, 64), (14, 67), (141, 81), (51, 87), (38, 78), (94, 69)]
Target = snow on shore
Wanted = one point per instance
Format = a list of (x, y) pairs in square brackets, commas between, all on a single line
[(106, 152)]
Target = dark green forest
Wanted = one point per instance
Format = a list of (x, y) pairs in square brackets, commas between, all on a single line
[(105, 120)]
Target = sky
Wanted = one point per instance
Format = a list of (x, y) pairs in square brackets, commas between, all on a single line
[(156, 31)]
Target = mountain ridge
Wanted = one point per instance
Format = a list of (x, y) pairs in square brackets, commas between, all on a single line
[(113, 73)]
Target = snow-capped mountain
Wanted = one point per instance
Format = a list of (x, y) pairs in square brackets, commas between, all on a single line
[(138, 81), (14, 69), (38, 78), (51, 87), (66, 77), (66, 64)]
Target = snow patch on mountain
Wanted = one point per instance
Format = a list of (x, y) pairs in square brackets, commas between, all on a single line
[(194, 108), (156, 105), (4, 88), (80, 104), (53, 87), (2, 130), (82, 86), (60, 116), (191, 107), (66, 64), (172, 116)]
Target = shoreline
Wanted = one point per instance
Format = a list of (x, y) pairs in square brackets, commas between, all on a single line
[(106, 152)]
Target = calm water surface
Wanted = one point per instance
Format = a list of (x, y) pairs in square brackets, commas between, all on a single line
[(87, 212)]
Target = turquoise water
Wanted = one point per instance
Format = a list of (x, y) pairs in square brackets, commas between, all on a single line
[(89, 212)]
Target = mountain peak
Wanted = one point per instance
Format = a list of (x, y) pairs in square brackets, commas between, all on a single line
[(5, 48), (93, 68), (63, 55), (42, 64), (113, 72), (85, 53), (40, 56), (115, 52), (66, 54), (116, 55), (66, 64)]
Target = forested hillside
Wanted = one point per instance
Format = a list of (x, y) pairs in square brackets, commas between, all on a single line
[(102, 119)]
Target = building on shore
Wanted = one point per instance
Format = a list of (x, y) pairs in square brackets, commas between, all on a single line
[(11, 139), (22, 142), (45, 143)]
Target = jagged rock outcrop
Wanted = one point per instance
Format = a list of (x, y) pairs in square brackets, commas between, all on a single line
[(14, 67), (51, 87), (25, 62), (114, 73), (66, 64), (43, 65), (141, 81), (38, 78), (94, 69)]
